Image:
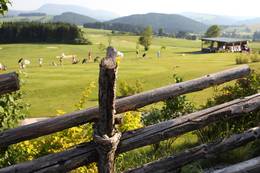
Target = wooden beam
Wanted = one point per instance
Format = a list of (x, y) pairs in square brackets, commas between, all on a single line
[(52, 163), (203, 151), (87, 153), (9, 82), (252, 166), (105, 134), (178, 126), (131, 103)]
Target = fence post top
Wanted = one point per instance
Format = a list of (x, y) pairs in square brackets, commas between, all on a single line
[(109, 61)]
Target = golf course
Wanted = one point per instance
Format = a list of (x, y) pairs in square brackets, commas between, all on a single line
[(50, 88)]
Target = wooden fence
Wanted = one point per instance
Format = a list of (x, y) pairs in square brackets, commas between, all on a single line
[(109, 142)]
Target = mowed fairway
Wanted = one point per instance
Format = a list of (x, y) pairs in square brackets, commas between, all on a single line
[(50, 88)]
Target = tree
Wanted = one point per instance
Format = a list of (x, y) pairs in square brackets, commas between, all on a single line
[(256, 36), (35, 32), (3, 6), (213, 31), (146, 37), (182, 34), (160, 32)]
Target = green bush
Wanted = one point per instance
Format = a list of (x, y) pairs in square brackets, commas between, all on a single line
[(242, 59), (242, 88), (126, 89), (172, 108), (12, 110), (255, 58), (131, 121)]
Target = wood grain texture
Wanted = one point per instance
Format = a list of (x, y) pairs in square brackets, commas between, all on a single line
[(105, 134)]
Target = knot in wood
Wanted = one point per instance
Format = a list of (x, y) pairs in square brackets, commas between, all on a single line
[(107, 144)]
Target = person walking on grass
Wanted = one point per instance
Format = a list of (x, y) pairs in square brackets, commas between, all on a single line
[(40, 62)]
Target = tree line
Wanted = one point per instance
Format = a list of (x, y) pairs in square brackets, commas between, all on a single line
[(34, 32), (115, 26), (32, 14)]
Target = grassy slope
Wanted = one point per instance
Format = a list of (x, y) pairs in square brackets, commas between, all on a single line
[(50, 88)]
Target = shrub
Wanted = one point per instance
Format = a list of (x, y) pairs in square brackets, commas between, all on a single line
[(172, 108), (12, 110), (242, 59), (255, 58), (242, 88), (126, 89), (131, 121)]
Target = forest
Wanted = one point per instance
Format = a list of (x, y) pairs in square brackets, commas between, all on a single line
[(34, 32)]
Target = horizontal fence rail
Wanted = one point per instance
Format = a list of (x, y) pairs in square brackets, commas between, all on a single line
[(204, 151), (9, 82), (122, 105), (252, 166), (86, 153)]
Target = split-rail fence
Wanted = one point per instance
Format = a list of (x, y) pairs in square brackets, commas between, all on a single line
[(108, 142)]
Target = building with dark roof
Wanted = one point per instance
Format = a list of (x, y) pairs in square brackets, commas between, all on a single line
[(222, 44)]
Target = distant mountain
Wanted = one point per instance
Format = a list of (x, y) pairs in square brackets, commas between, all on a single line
[(57, 9), (14, 13), (252, 21), (31, 14), (211, 19), (73, 18), (171, 23)]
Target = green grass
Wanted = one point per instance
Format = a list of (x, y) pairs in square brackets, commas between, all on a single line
[(50, 88)]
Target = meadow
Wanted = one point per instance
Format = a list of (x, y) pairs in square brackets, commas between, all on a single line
[(48, 88)]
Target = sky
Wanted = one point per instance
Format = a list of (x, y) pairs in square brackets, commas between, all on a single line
[(127, 7)]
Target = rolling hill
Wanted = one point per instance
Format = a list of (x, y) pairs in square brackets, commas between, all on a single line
[(57, 9), (252, 21), (171, 23), (211, 19), (73, 18)]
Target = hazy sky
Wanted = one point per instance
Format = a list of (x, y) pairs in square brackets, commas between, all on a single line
[(125, 7)]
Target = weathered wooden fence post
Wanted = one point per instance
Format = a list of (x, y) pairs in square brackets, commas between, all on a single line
[(105, 134), (9, 83)]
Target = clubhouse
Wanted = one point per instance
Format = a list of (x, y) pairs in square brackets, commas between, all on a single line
[(222, 44)]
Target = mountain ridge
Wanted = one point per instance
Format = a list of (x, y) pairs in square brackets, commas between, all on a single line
[(73, 18), (171, 23), (57, 9)]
